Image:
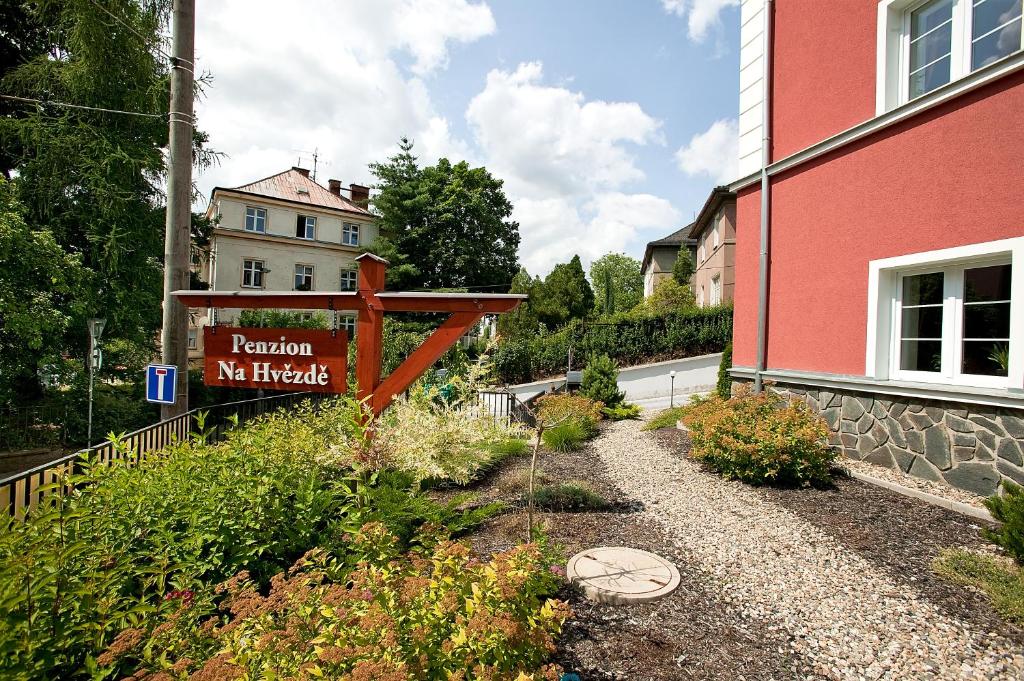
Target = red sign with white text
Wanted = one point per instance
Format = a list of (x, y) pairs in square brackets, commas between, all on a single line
[(296, 360)]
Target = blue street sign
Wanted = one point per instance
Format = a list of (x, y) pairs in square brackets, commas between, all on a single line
[(161, 380)]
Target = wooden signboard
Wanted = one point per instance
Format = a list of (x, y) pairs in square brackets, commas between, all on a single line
[(295, 360)]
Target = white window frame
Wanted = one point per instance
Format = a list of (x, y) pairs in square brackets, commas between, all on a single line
[(349, 273), (258, 215), (347, 322), (261, 270), (308, 227), (716, 290), (193, 339), (884, 312), (701, 254), (349, 234), (295, 276), (893, 50)]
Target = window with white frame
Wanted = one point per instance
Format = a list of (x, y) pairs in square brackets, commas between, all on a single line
[(193, 339), (925, 44), (348, 323), (349, 280), (303, 277), (700, 296), (700, 254), (256, 220), (252, 273), (714, 236), (305, 227), (350, 234), (716, 290), (952, 320)]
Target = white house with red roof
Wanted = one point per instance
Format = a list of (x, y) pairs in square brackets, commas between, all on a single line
[(285, 232)]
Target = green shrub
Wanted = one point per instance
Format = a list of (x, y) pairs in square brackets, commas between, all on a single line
[(104, 558), (283, 319), (622, 412), (444, 614), (665, 419), (760, 439), (1009, 510), (625, 339), (601, 381), (569, 497), (566, 437), (1001, 580), (724, 386)]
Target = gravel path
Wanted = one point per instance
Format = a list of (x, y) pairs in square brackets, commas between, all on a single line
[(843, 617)]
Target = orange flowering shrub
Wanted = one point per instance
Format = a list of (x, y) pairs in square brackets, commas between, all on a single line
[(760, 439), (437, 614), (563, 407)]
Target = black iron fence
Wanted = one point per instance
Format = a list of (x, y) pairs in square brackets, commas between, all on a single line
[(505, 407), (20, 493)]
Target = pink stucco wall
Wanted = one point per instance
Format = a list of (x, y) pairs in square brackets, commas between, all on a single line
[(951, 176)]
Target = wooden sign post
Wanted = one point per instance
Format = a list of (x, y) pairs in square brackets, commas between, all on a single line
[(370, 302)]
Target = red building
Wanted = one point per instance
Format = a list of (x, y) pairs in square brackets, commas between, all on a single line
[(885, 279)]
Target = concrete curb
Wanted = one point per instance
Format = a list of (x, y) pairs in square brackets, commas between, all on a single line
[(955, 506)]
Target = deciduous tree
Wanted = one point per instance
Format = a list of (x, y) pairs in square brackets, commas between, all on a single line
[(565, 295), (447, 225), (618, 284)]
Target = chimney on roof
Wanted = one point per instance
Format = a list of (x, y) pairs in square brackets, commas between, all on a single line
[(334, 186), (302, 171), (360, 195)]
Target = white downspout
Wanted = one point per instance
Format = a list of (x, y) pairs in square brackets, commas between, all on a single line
[(766, 158)]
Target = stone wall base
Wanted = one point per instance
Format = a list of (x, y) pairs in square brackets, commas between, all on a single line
[(968, 446)]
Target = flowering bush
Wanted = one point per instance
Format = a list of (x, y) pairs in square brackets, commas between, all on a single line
[(437, 614), (760, 439)]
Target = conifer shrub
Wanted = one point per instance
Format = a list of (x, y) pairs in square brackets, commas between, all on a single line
[(760, 439), (724, 386), (622, 412), (558, 409), (601, 381), (1009, 510)]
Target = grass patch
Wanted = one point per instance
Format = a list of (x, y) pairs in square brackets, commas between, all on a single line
[(622, 412), (1001, 580), (569, 496), (504, 449), (665, 419), (566, 437), (521, 479)]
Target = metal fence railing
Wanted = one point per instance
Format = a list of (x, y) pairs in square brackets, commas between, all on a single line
[(505, 407), (22, 492), (31, 427)]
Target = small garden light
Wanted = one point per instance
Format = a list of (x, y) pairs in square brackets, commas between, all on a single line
[(672, 393)]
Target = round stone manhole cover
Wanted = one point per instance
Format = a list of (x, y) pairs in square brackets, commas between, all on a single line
[(617, 574)]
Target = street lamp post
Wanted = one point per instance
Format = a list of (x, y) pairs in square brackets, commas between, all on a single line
[(95, 362), (672, 394)]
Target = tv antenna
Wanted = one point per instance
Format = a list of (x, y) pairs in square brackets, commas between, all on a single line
[(310, 155)]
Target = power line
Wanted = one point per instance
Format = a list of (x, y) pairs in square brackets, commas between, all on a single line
[(29, 100), (131, 28)]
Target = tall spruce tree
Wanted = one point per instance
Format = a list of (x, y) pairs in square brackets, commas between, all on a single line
[(565, 295)]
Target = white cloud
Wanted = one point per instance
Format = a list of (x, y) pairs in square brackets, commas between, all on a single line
[(701, 15), (713, 152), (326, 75), (566, 162)]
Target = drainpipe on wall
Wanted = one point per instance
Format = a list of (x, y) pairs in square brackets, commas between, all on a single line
[(766, 158)]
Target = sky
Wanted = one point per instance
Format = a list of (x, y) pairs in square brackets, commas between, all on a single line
[(609, 121)]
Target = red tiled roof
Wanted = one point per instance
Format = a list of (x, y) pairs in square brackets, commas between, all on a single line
[(293, 185)]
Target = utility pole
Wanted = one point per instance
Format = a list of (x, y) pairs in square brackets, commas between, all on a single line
[(177, 229)]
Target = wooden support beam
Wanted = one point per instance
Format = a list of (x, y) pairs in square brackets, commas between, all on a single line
[(423, 358)]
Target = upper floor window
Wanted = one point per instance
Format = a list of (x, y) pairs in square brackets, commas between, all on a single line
[(305, 227), (349, 280), (714, 236), (947, 317), (252, 273), (700, 253), (256, 220), (303, 277), (350, 234), (347, 322), (932, 43)]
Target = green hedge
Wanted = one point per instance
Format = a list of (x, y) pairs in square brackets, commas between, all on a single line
[(627, 341)]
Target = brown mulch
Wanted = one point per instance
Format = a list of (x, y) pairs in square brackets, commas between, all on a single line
[(899, 535)]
